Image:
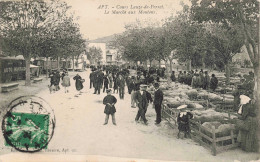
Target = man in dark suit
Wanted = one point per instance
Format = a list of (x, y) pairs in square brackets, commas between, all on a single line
[(142, 104), (91, 78), (121, 86), (98, 81), (158, 98)]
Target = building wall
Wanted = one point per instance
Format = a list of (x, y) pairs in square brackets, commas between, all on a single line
[(102, 46), (106, 51), (240, 57)]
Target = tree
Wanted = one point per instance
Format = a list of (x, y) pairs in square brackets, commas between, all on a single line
[(186, 36), (32, 28), (226, 44), (243, 13), (94, 55), (137, 43)]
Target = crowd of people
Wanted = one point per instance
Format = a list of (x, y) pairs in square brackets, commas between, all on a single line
[(113, 80), (196, 79)]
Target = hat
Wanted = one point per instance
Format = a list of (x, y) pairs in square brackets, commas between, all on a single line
[(182, 107), (108, 90), (156, 85)]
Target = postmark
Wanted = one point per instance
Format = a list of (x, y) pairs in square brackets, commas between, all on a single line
[(29, 124)]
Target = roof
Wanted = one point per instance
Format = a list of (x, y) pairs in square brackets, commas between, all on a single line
[(103, 39)]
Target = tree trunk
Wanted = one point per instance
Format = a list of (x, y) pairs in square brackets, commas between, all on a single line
[(203, 62), (159, 63), (257, 95), (257, 78), (168, 74), (227, 71), (58, 63), (47, 67), (170, 66), (188, 65), (66, 64), (150, 62), (73, 63), (27, 71)]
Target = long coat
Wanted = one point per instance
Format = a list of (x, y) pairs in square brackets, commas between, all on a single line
[(141, 100), (57, 79), (121, 82), (66, 81), (206, 81), (248, 129), (213, 83), (132, 86), (109, 109), (78, 83), (158, 97), (98, 79), (91, 76)]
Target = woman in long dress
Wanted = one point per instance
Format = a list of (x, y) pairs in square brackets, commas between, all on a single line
[(78, 83), (66, 82), (248, 125)]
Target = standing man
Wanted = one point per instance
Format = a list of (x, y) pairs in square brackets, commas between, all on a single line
[(158, 98), (57, 80), (121, 86), (142, 104), (213, 82), (180, 77), (98, 81), (106, 82), (173, 78), (202, 79), (148, 97), (91, 78), (110, 79), (206, 80)]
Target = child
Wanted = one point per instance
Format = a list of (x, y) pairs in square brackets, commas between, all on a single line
[(183, 121), (110, 102), (66, 82)]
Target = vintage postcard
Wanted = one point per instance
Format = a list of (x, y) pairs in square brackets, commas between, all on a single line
[(129, 80)]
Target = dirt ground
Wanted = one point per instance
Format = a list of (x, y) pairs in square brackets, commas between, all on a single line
[(80, 131)]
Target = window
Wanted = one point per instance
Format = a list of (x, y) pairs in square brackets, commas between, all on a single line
[(109, 58)]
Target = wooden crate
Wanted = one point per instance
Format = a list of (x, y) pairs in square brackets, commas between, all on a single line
[(208, 138)]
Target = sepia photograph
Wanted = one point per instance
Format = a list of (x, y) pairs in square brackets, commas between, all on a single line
[(129, 80)]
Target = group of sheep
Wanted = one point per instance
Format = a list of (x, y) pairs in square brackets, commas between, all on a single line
[(176, 94)]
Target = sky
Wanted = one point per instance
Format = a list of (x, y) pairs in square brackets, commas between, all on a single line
[(94, 23)]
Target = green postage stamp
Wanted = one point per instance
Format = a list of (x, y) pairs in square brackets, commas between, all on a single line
[(27, 130), (29, 124)]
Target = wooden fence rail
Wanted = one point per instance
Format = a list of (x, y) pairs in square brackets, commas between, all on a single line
[(210, 138)]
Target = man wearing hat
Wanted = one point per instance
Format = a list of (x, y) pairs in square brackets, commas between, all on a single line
[(98, 80), (132, 86), (121, 86), (110, 109), (158, 98), (142, 103), (206, 80), (91, 78)]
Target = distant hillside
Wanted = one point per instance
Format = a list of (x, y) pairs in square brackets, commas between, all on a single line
[(103, 39)]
